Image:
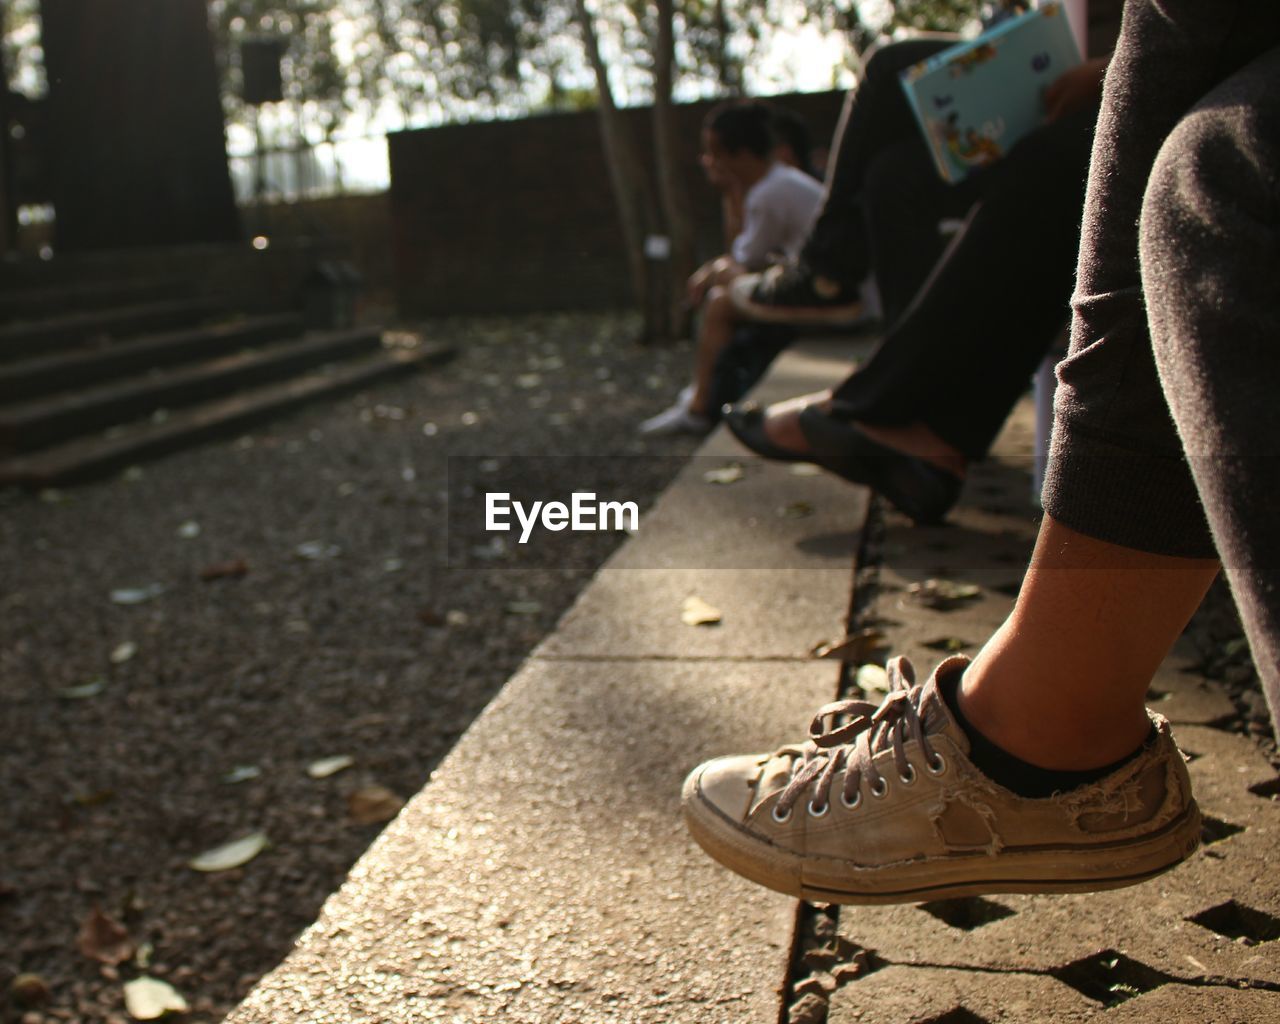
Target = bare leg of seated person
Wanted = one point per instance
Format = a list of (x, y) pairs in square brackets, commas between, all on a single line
[(718, 318), (689, 414), (1045, 697)]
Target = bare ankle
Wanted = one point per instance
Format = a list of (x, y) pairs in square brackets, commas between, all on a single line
[(918, 440), (1036, 718)]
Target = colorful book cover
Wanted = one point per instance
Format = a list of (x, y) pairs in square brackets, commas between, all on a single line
[(976, 99)]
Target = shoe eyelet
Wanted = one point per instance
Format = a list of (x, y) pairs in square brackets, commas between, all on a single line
[(879, 789), (818, 812), (909, 776), (781, 819), (848, 804), (936, 764)]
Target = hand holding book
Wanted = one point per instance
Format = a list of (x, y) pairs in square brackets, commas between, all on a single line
[(1075, 89)]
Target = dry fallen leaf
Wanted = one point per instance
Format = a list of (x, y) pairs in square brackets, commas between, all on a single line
[(189, 530), (1235, 647), (696, 612), (103, 939), (149, 998), (124, 652), (524, 607), (373, 804), (83, 692), (857, 647), (241, 773), (729, 474), (873, 679), (948, 644), (317, 550), (233, 570), (805, 469), (796, 510), (942, 595), (137, 595), (327, 766), (230, 855)]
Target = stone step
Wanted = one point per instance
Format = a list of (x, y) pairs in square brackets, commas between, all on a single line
[(31, 378), (98, 328), (88, 458), (49, 420), (47, 301)]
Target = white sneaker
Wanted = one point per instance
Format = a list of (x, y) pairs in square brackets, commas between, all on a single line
[(678, 419), (883, 805)]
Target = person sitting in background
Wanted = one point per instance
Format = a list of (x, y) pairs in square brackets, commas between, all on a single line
[(961, 349), (754, 346), (778, 209)]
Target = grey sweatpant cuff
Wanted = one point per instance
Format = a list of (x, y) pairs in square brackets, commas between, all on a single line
[(1141, 501)]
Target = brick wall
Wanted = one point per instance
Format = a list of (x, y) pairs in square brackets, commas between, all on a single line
[(518, 216), (360, 225)]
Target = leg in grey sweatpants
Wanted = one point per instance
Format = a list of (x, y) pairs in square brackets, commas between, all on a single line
[(1186, 144), (1210, 249)]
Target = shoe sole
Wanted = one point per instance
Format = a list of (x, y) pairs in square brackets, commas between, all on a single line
[(1040, 870)]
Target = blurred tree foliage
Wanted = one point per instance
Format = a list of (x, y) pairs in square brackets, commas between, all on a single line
[(23, 56), (431, 60), (427, 60)]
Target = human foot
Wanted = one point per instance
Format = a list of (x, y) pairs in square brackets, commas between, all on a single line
[(679, 418), (807, 429), (773, 430)]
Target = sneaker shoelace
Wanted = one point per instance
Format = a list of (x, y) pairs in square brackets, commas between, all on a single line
[(844, 737)]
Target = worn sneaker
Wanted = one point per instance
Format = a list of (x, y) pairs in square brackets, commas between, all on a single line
[(791, 293), (882, 805), (678, 419)]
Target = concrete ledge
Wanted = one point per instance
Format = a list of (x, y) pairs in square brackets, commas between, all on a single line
[(544, 874)]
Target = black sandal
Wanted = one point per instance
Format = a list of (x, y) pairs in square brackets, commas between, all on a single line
[(912, 485), (745, 421)]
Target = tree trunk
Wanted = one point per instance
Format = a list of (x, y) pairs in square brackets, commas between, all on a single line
[(671, 183), (137, 141), (626, 177), (728, 69)]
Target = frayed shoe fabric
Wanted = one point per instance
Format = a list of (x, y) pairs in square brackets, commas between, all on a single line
[(881, 805)]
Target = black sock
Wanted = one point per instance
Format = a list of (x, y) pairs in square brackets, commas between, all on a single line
[(1014, 774)]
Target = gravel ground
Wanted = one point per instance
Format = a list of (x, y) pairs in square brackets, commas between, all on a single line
[(124, 724)]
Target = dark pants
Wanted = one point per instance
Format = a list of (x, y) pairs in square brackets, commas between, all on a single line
[(963, 351), (883, 197), (1167, 431)]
